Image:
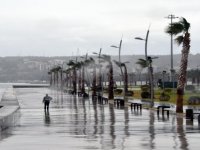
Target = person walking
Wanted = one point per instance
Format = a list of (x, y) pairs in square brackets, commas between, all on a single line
[(46, 101)]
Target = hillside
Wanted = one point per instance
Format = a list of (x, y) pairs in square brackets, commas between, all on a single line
[(15, 69)]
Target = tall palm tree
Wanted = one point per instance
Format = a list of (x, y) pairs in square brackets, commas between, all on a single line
[(51, 77), (107, 58), (91, 62), (66, 79), (148, 64), (125, 74), (56, 71), (143, 63), (79, 65), (181, 30), (72, 65)]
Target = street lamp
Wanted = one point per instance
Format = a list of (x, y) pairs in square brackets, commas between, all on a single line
[(171, 17), (119, 47), (146, 40)]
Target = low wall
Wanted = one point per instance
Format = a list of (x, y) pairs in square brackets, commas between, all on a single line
[(9, 107)]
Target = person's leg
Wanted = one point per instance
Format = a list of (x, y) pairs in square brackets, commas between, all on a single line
[(47, 106)]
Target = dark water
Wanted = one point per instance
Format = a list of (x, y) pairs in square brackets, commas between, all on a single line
[(74, 123)]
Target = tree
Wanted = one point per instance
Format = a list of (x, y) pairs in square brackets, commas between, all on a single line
[(73, 66), (51, 77), (107, 58), (143, 63), (125, 74), (148, 63), (84, 64), (56, 70), (91, 62), (181, 30)]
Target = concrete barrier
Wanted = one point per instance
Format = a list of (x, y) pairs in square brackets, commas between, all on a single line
[(9, 109)]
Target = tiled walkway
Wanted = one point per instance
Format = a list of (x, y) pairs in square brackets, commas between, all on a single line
[(75, 124)]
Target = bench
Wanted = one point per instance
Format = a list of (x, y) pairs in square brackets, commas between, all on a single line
[(190, 114), (100, 99), (104, 99), (136, 105), (163, 108), (119, 102), (80, 94)]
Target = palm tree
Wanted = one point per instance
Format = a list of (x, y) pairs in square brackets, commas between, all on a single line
[(143, 63), (79, 65), (177, 28), (51, 77), (72, 65), (91, 62), (125, 74), (66, 79), (148, 64), (107, 58), (56, 70)]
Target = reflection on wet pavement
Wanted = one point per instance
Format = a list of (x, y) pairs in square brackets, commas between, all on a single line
[(75, 123)]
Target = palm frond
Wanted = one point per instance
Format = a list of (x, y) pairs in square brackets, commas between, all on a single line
[(179, 40), (185, 24), (106, 57), (119, 64), (71, 63), (87, 62), (142, 62), (79, 65), (174, 28)]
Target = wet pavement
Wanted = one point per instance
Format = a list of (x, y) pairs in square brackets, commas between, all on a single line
[(75, 123)]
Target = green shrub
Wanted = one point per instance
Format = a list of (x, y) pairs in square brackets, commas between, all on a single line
[(145, 94)]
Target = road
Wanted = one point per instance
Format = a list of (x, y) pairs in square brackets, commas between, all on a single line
[(75, 124)]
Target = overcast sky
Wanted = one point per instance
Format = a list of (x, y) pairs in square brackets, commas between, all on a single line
[(61, 27)]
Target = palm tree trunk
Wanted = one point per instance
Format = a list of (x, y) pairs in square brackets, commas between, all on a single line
[(79, 81), (61, 79), (74, 82), (182, 73), (67, 80), (57, 79), (54, 79), (83, 80), (51, 78), (94, 82), (125, 79), (111, 82), (70, 80)]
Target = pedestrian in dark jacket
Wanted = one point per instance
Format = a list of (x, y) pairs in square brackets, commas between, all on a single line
[(46, 101)]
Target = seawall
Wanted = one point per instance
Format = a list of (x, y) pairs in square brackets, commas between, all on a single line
[(9, 107)]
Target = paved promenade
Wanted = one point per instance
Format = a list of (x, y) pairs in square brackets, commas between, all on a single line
[(78, 124)]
